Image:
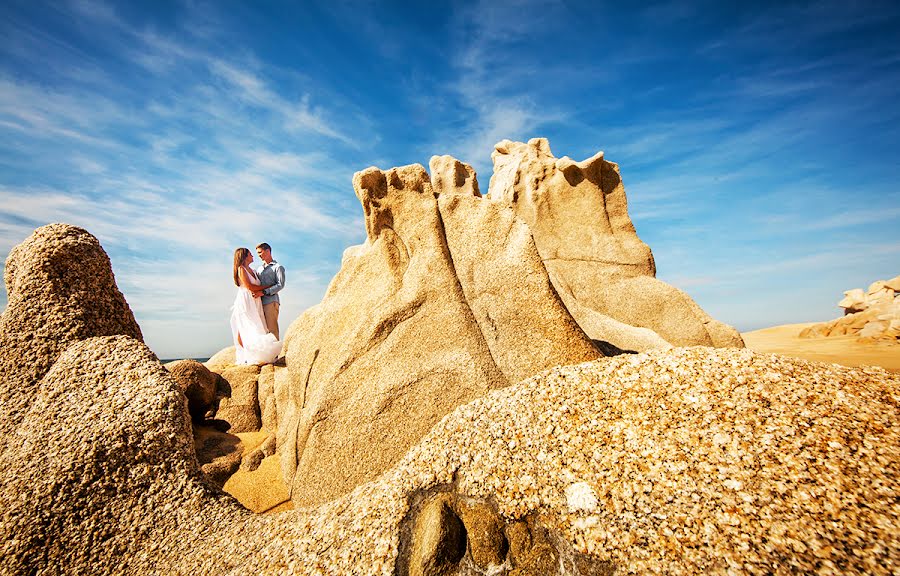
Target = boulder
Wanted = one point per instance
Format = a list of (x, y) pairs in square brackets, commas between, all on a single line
[(61, 289), (198, 385), (876, 287), (853, 301), (578, 215), (105, 450), (447, 300), (221, 360), (691, 461)]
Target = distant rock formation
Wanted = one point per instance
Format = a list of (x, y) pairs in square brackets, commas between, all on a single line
[(447, 300), (873, 315), (60, 289), (604, 273), (694, 461)]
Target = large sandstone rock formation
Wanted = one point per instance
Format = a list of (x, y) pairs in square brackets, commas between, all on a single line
[(687, 461), (604, 273), (60, 289), (446, 300), (873, 315), (454, 294)]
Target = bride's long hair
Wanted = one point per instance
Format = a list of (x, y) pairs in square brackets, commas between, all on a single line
[(239, 256)]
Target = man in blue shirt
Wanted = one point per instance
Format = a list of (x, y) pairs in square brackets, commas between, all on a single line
[(271, 274)]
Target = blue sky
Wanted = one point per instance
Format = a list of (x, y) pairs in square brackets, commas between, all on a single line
[(758, 144)]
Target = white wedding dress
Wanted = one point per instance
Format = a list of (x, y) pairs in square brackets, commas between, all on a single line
[(258, 345)]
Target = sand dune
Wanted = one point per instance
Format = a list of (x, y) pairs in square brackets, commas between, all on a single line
[(845, 350)]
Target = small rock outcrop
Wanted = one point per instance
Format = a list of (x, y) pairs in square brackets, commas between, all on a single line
[(691, 461), (199, 385), (60, 289), (447, 300), (605, 274), (239, 398), (872, 315)]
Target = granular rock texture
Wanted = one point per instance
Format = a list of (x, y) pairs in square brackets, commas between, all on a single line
[(687, 461), (578, 215), (873, 315), (61, 289), (105, 469), (447, 299)]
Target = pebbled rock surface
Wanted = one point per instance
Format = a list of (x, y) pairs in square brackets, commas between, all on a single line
[(687, 461), (61, 289)]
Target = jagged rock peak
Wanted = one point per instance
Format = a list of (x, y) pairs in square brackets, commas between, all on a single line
[(447, 300), (589, 195), (451, 176), (605, 274)]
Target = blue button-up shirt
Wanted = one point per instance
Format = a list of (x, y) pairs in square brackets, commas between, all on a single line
[(271, 273)]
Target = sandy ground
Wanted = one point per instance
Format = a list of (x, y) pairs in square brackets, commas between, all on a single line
[(262, 490), (845, 350)]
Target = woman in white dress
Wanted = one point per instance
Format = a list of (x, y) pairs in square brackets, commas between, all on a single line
[(253, 343)]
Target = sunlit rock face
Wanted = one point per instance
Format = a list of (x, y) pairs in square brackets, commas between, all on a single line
[(605, 274), (103, 478), (872, 315), (447, 300), (454, 294), (61, 289)]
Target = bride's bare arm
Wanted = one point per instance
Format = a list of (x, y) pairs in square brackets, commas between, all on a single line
[(244, 279)]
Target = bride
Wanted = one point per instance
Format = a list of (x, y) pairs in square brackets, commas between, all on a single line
[(253, 344)]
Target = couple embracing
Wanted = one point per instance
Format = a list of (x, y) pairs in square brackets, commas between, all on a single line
[(254, 316)]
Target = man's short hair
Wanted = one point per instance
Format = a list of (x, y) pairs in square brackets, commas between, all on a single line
[(264, 246)]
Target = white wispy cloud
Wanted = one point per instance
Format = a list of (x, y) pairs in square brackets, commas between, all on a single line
[(172, 180), (489, 82)]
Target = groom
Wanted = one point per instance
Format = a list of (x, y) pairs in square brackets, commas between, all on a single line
[(271, 274)]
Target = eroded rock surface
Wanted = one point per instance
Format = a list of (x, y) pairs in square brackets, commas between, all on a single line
[(446, 300), (199, 385), (578, 215), (105, 469), (60, 289)]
